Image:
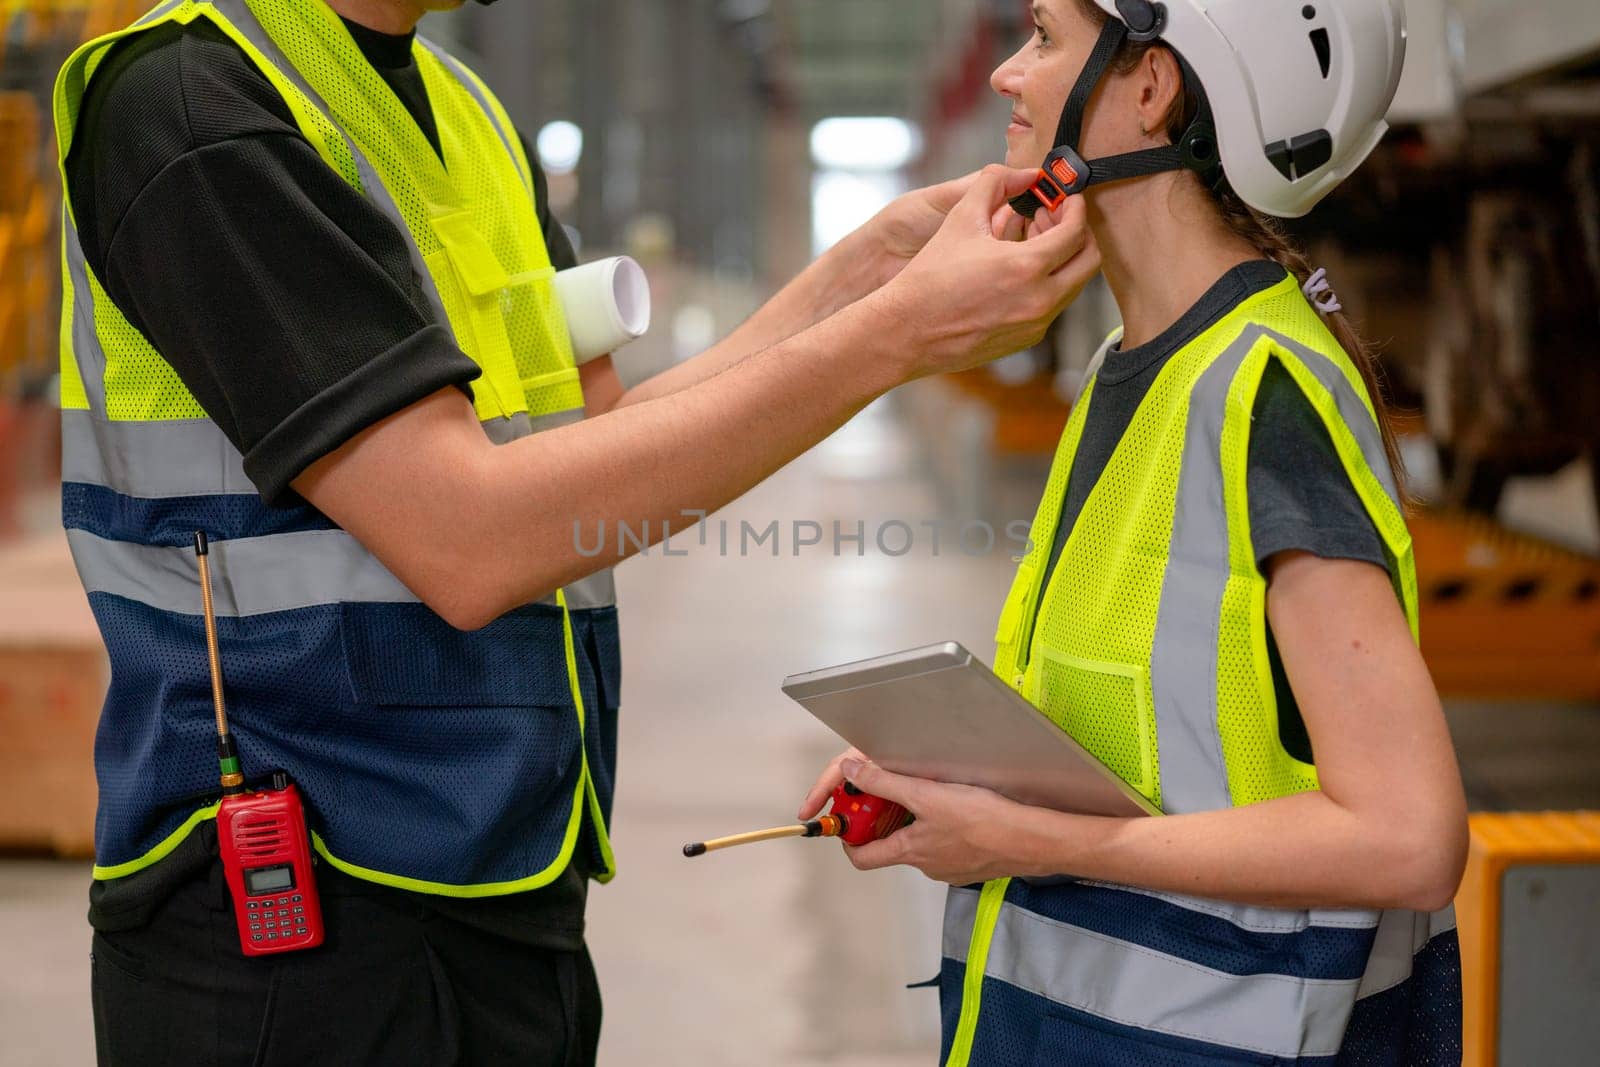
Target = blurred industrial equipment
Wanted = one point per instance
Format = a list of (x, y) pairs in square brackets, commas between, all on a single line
[(1469, 245)]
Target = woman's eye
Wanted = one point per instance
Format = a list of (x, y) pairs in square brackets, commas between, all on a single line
[(1041, 38)]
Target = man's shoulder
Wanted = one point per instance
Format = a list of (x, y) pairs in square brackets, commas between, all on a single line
[(176, 87)]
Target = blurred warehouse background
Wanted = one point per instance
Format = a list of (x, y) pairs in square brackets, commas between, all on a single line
[(723, 143)]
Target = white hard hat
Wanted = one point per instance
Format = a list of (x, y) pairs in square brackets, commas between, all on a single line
[(1295, 94)]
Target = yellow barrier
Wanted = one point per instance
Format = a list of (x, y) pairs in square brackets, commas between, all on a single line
[(1501, 844)]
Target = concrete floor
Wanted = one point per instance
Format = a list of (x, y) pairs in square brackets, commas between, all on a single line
[(780, 954)]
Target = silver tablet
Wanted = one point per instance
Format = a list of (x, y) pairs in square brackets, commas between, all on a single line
[(938, 712)]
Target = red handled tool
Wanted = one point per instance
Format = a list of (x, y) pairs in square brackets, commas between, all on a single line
[(855, 818), (266, 851)]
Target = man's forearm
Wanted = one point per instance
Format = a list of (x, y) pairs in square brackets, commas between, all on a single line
[(840, 277), (476, 529)]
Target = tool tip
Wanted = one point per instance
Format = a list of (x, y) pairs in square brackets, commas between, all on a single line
[(696, 849), (200, 546)]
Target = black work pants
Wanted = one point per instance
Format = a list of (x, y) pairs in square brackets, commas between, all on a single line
[(394, 984)]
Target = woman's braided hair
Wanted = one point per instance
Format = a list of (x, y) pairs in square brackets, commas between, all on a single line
[(1268, 238)]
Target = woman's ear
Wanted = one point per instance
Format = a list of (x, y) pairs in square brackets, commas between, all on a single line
[(1160, 91)]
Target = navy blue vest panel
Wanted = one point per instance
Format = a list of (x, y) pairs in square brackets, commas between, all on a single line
[(1418, 1022), (1317, 952), (1019, 1027), (422, 751), (172, 521), (1414, 1024)]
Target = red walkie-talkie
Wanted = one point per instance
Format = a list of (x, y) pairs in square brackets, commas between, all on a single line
[(266, 851)]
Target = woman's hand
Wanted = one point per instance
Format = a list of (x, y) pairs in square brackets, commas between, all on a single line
[(962, 834), (827, 782)]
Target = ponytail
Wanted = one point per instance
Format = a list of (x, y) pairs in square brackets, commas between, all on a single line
[(1268, 238)]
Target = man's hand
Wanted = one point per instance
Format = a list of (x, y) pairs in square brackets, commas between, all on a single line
[(971, 296), (903, 229), (475, 530)]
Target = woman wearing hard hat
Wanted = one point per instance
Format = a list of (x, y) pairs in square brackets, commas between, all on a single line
[(1219, 600)]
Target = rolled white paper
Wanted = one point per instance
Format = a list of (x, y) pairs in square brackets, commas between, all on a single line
[(607, 305)]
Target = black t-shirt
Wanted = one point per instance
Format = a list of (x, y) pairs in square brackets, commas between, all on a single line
[(287, 305), (283, 298), (1300, 496)]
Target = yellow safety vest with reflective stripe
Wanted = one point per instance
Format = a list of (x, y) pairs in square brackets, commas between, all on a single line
[(497, 804), (1149, 647)]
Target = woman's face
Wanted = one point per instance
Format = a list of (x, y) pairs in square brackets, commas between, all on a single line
[(1038, 79)]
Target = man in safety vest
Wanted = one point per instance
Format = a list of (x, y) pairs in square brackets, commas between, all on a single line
[(309, 311)]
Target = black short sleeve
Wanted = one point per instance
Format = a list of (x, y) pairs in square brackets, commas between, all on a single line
[(1300, 496), (285, 301)]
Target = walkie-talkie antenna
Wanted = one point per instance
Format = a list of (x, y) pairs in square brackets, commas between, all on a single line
[(227, 754)]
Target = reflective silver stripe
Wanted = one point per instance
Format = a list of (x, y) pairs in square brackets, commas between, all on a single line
[(598, 590), (1401, 935), (960, 914), (86, 350), (157, 11), (1183, 656), (192, 457), (504, 431), (1259, 919), (1351, 409), (238, 13), (1277, 1015), (1098, 360), (454, 65), (252, 576), (183, 457), (1183, 661)]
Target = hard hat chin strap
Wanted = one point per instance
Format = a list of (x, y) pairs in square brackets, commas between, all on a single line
[(1065, 173)]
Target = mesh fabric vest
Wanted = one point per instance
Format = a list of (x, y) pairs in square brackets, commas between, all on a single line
[(437, 760), (1149, 647)]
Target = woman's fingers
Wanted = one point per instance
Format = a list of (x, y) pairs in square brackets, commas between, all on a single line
[(871, 778), (826, 783), (874, 855)]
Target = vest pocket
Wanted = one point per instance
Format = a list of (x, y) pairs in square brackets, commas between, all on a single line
[(1106, 708), (468, 743), (404, 654), (494, 395)]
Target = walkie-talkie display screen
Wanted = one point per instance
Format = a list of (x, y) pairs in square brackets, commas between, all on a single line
[(268, 880)]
